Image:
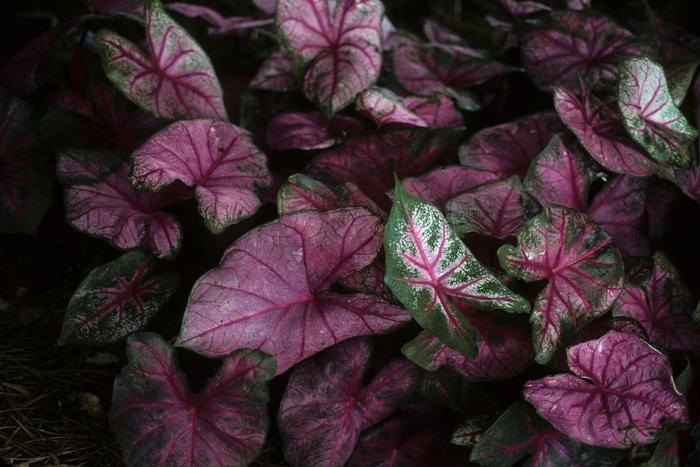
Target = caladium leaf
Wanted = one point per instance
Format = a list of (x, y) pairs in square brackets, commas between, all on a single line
[(218, 24), (584, 272), (339, 42), (437, 34), (309, 130), (649, 114), (523, 7), (508, 149), (275, 74), (26, 176), (327, 405), (266, 6), (159, 422), (504, 348), (100, 201), (519, 432), (687, 179), (116, 299), (218, 158), (664, 306), (283, 304), (18, 73), (302, 193), (176, 80), (560, 175), (621, 393), (576, 45), (426, 70), (447, 388), (497, 209), (385, 107), (370, 162), (437, 110), (599, 129), (428, 268), (440, 185)]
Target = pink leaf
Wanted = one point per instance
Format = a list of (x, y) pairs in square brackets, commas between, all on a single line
[(100, 201), (219, 24), (583, 270), (508, 149), (266, 6), (438, 110), (523, 7), (664, 306), (327, 404), (385, 107), (283, 304), (599, 129), (504, 348), (159, 422), (176, 80), (440, 35), (340, 42), (275, 74), (622, 394), (218, 158), (497, 209), (309, 130), (576, 44)]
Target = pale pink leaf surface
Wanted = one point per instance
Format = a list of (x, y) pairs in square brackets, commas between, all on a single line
[(599, 129), (438, 110), (327, 404), (497, 209), (101, 201), (370, 162), (340, 42), (649, 114), (159, 422), (442, 184), (523, 7), (218, 24), (576, 45), (663, 306), (309, 130), (271, 290), (428, 268), (584, 273), (275, 74), (621, 393), (176, 80), (266, 6), (385, 107), (509, 148), (218, 158), (560, 175), (504, 348)]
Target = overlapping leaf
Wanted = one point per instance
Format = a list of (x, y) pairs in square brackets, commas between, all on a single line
[(218, 158), (327, 405), (219, 24), (428, 267), (271, 290), (275, 74), (621, 393), (176, 80), (309, 130), (116, 299), (301, 193), (438, 110), (583, 269), (385, 107), (159, 422)]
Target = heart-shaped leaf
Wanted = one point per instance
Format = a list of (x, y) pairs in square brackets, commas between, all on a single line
[(340, 42), (428, 267), (519, 432), (176, 80), (309, 130), (622, 393), (370, 162), (385, 107), (26, 176), (218, 158), (100, 201), (497, 209), (275, 74), (116, 299), (437, 110), (327, 404), (649, 114), (664, 306), (599, 129), (271, 290), (159, 422), (508, 149), (504, 348), (583, 269), (575, 45)]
